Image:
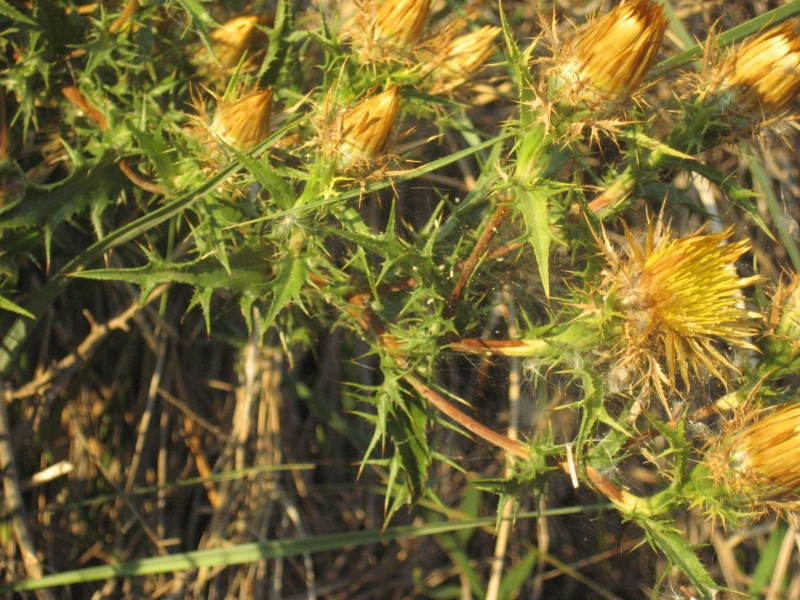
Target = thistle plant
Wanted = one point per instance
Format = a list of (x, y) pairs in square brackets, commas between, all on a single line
[(678, 299), (461, 58), (366, 128), (756, 458), (612, 57), (243, 123), (753, 85), (235, 38), (274, 283), (400, 22)]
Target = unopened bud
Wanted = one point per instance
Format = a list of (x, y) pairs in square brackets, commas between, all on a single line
[(366, 127), (244, 123), (617, 50), (234, 38), (764, 73), (400, 22), (462, 57)]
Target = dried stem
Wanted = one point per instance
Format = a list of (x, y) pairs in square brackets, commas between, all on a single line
[(55, 379), (512, 447), (508, 308), (500, 214), (14, 504)]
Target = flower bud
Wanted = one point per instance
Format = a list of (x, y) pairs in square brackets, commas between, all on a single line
[(244, 123), (234, 38), (462, 57), (762, 460), (366, 127), (400, 22), (616, 51), (764, 73)]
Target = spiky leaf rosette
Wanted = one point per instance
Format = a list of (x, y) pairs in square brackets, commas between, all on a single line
[(679, 298)]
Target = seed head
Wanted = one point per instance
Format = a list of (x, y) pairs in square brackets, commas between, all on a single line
[(400, 22), (764, 73), (234, 38), (679, 297), (615, 53), (462, 57), (760, 461), (244, 123), (366, 127)]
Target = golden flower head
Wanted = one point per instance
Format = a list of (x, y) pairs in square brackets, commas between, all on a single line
[(366, 127), (244, 123), (234, 38), (400, 22), (679, 297), (759, 460), (764, 72), (616, 51), (461, 58)]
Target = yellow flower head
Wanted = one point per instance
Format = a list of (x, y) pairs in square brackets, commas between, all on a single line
[(244, 123), (462, 57), (760, 460), (234, 38), (400, 22), (679, 297), (764, 73), (614, 54), (366, 127)]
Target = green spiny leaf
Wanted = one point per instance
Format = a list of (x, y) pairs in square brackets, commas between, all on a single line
[(533, 205), (6, 304), (286, 287), (12, 13), (680, 553), (278, 44)]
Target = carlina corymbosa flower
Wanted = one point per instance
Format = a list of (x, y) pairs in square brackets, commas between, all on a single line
[(678, 298), (763, 74), (400, 22), (614, 54), (366, 127), (462, 57), (235, 37), (757, 456), (244, 123)]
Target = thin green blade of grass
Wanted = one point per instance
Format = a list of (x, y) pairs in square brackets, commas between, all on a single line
[(245, 553), (767, 561), (778, 214)]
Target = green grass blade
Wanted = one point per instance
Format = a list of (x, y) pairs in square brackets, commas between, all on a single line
[(245, 553)]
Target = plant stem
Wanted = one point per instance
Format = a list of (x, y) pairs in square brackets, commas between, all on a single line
[(14, 503), (503, 442), (500, 214)]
